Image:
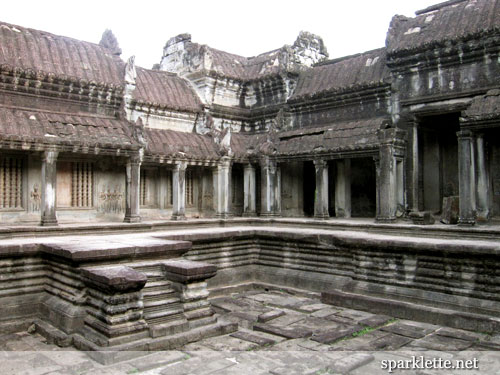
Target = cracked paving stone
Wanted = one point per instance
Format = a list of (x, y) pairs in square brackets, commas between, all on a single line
[(355, 315), (313, 307), (289, 333), (437, 342), (388, 342), (323, 313), (317, 325), (375, 321), (270, 315), (158, 359), (253, 338), (460, 334), (332, 335), (290, 317), (228, 343), (351, 362), (407, 330)]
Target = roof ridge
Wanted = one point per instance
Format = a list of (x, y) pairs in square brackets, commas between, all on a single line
[(343, 58), (438, 6)]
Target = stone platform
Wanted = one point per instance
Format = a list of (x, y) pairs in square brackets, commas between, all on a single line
[(278, 334)]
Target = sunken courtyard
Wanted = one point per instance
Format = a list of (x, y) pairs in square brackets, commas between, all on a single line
[(282, 202)]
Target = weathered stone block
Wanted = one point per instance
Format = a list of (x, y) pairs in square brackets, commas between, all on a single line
[(421, 218), (114, 279), (184, 271), (451, 210)]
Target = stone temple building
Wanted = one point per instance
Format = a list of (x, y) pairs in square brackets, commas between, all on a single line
[(404, 133), (86, 136)]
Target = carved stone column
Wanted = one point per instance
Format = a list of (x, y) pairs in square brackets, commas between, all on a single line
[(179, 191), (270, 188), (390, 175), (414, 167), (222, 188), (343, 188), (321, 194), (483, 193), (49, 183), (133, 170), (466, 180), (249, 190)]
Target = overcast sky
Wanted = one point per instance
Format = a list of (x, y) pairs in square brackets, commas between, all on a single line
[(244, 28)]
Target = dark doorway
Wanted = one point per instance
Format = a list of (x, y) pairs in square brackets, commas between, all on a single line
[(309, 188), (438, 160), (363, 187)]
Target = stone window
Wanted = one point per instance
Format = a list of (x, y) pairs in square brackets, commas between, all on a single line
[(189, 188), (11, 170), (147, 188), (82, 185)]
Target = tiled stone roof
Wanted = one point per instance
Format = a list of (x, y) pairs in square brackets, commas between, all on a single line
[(340, 136), (171, 143), (348, 72), (58, 55), (48, 128), (165, 89), (484, 107), (450, 20)]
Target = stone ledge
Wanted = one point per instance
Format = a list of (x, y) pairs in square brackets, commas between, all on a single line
[(184, 271), (407, 310), (114, 279)]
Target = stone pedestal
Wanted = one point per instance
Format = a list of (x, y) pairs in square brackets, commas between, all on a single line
[(222, 189), (321, 194), (270, 188), (343, 188), (189, 280), (249, 192), (133, 171), (49, 174), (179, 191), (114, 307), (466, 183), (450, 210)]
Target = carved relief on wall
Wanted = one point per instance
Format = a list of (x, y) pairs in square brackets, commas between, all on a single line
[(111, 201), (35, 198)]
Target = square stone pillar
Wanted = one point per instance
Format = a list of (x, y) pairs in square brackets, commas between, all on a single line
[(189, 279), (270, 188), (133, 170), (49, 183), (321, 194), (390, 174), (179, 191), (343, 188), (249, 190), (414, 168), (222, 188), (483, 191), (466, 178)]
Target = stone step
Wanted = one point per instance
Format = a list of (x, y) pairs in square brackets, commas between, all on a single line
[(169, 304), (157, 295), (154, 316)]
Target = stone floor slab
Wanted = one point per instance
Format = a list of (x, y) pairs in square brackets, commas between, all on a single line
[(408, 330)]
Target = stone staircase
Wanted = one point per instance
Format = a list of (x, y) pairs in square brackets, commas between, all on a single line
[(162, 306)]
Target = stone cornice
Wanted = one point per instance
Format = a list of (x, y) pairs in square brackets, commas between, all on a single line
[(28, 81)]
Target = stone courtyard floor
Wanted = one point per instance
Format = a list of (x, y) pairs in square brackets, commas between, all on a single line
[(280, 334)]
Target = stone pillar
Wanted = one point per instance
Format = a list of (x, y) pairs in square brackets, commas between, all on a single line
[(343, 188), (114, 308), (466, 183), (132, 190), (321, 194), (483, 193), (222, 189), (391, 146), (249, 190), (189, 279), (49, 183), (270, 188), (179, 191), (415, 169)]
